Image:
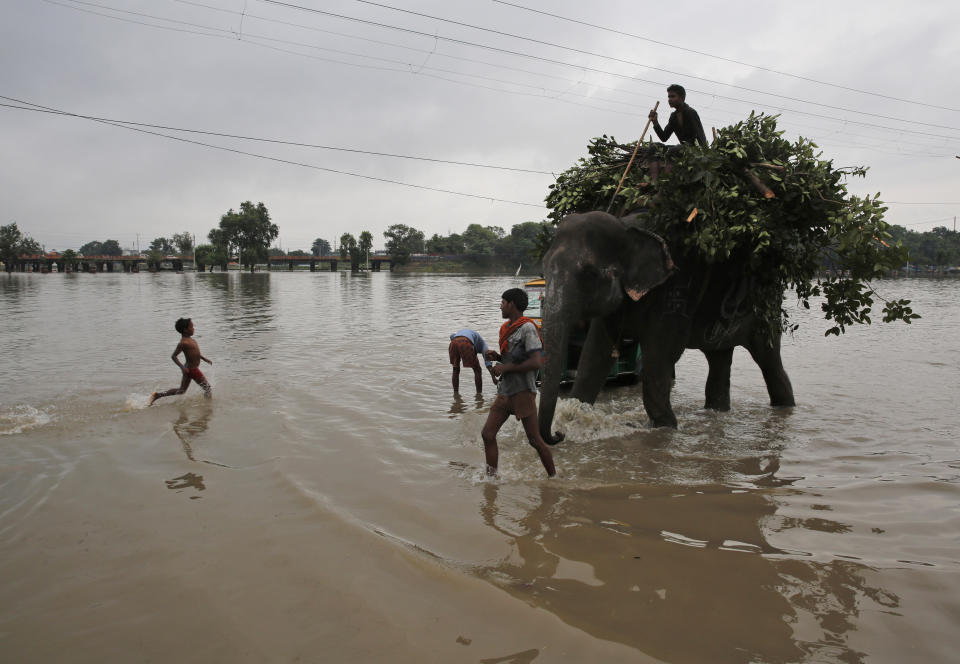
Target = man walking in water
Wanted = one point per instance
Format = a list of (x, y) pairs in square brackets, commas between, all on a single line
[(520, 356), (684, 121)]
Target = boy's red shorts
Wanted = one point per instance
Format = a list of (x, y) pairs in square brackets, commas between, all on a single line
[(461, 350), (197, 375)]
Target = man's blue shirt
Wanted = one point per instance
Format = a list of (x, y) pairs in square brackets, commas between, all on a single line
[(478, 343)]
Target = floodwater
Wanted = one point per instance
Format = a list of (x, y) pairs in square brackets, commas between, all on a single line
[(329, 505)]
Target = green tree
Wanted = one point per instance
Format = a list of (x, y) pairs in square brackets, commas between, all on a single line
[(364, 245), (451, 245), (112, 248), (402, 241), (348, 244), (204, 255), (162, 245), (69, 258), (183, 242), (30, 247), (757, 204), (521, 244), (321, 248), (10, 241), (481, 240), (222, 249), (154, 258), (350, 248), (13, 244), (250, 231), (93, 248)]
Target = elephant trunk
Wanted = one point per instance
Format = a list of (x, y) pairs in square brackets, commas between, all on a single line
[(556, 336)]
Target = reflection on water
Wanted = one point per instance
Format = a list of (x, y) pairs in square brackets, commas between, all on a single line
[(244, 303), (192, 423), (524, 657), (642, 566), (460, 406), (186, 481)]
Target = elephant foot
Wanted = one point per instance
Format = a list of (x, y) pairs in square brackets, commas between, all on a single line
[(557, 437), (722, 406)]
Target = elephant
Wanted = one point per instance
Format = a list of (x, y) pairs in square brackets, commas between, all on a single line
[(621, 278)]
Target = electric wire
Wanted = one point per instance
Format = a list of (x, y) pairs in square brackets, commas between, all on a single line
[(262, 140), (506, 51), (301, 164), (720, 57), (618, 60)]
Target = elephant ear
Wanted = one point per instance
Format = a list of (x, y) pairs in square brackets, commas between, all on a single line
[(648, 263)]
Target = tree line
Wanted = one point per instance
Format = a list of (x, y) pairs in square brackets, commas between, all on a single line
[(938, 248), (246, 234)]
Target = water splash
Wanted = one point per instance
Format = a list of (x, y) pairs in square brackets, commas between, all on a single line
[(587, 422), (136, 401), (23, 417)]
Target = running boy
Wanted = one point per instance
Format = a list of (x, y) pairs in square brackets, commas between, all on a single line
[(191, 366), (520, 357)]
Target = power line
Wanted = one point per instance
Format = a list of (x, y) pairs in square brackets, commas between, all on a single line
[(920, 202), (126, 125), (41, 109), (724, 59), (301, 164), (622, 61), (623, 76), (434, 53), (482, 46), (929, 221)]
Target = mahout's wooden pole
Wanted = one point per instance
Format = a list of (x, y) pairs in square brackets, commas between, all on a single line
[(632, 157)]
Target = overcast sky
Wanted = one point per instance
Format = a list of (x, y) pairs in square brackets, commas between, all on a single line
[(872, 83)]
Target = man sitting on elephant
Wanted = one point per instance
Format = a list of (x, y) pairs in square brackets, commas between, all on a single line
[(684, 122), (520, 357)]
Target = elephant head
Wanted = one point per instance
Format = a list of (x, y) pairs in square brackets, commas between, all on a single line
[(596, 266)]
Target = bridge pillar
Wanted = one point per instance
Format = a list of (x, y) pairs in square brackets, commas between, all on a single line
[(375, 266), (313, 266), (333, 266), (290, 266)]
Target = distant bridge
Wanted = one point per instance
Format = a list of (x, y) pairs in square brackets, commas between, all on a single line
[(46, 263), (333, 260)]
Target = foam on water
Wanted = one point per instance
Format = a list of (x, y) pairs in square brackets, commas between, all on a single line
[(23, 417), (587, 422), (136, 401)]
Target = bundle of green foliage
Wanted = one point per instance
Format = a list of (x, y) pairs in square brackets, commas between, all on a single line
[(756, 203)]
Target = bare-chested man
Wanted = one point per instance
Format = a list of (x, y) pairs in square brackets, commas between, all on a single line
[(191, 365)]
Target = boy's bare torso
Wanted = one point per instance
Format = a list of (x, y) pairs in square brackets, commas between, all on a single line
[(191, 352)]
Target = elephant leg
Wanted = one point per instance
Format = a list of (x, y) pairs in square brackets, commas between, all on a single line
[(767, 357), (657, 377), (595, 362), (718, 379)]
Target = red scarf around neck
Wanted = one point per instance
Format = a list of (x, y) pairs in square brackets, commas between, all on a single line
[(509, 328)]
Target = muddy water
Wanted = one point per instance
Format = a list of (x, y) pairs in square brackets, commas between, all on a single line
[(328, 503)]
